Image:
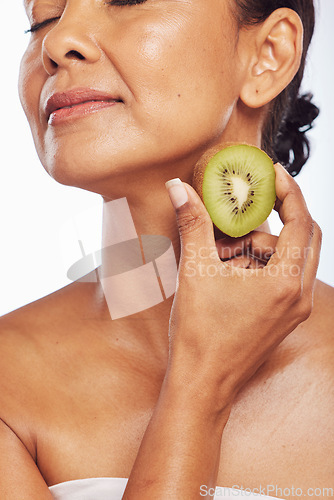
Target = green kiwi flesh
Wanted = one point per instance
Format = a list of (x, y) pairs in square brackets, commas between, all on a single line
[(238, 189)]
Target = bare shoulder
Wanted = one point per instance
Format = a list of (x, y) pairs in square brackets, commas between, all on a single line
[(286, 411), (313, 342), (45, 317), (324, 300), (311, 391), (311, 404), (71, 300), (324, 297), (32, 340), (320, 325), (27, 333)]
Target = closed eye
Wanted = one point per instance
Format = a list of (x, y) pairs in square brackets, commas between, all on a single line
[(117, 3), (120, 3), (38, 26)]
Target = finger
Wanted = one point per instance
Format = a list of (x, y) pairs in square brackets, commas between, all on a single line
[(257, 263), (240, 261), (246, 262), (194, 223), (255, 244), (313, 257), (295, 237)]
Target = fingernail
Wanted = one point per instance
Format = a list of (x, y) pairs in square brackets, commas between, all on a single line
[(177, 192)]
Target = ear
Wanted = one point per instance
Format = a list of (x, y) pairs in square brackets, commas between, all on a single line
[(275, 49)]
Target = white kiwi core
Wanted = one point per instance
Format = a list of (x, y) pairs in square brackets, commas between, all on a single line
[(240, 189)]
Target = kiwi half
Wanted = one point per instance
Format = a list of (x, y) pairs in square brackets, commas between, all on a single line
[(237, 186)]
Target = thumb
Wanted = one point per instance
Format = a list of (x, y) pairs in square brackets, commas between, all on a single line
[(194, 223)]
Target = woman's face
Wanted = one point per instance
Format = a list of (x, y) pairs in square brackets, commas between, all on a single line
[(163, 75)]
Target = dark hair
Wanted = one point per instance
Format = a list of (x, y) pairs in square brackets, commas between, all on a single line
[(291, 114)]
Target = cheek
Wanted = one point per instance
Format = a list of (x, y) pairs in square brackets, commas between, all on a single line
[(27, 82), (31, 81), (182, 74), (150, 49)]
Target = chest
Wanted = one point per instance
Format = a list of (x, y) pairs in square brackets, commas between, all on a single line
[(93, 427)]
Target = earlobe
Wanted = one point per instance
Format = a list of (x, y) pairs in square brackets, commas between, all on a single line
[(278, 47)]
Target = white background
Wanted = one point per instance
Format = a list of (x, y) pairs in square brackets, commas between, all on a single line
[(39, 238)]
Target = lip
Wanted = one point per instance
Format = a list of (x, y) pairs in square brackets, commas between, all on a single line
[(77, 102)]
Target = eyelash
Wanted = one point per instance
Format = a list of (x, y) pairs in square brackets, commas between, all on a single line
[(121, 3), (116, 3), (38, 26)]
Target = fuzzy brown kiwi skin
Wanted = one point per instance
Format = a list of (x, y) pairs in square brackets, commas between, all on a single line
[(200, 166)]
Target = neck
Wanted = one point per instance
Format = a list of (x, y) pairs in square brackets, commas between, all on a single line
[(141, 251)]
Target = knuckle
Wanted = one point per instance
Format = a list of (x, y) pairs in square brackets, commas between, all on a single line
[(309, 226), (305, 308), (317, 231), (293, 295), (293, 189), (189, 223), (292, 289)]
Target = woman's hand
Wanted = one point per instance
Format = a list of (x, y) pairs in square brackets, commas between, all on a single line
[(252, 251), (225, 319)]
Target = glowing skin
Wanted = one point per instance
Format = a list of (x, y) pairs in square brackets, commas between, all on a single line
[(176, 68), (187, 79), (173, 63)]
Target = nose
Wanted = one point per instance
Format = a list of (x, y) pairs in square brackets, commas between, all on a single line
[(67, 43)]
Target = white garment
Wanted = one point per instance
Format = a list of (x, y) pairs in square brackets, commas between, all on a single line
[(112, 488)]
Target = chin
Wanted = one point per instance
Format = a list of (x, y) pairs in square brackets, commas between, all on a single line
[(92, 169), (74, 162), (81, 174)]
